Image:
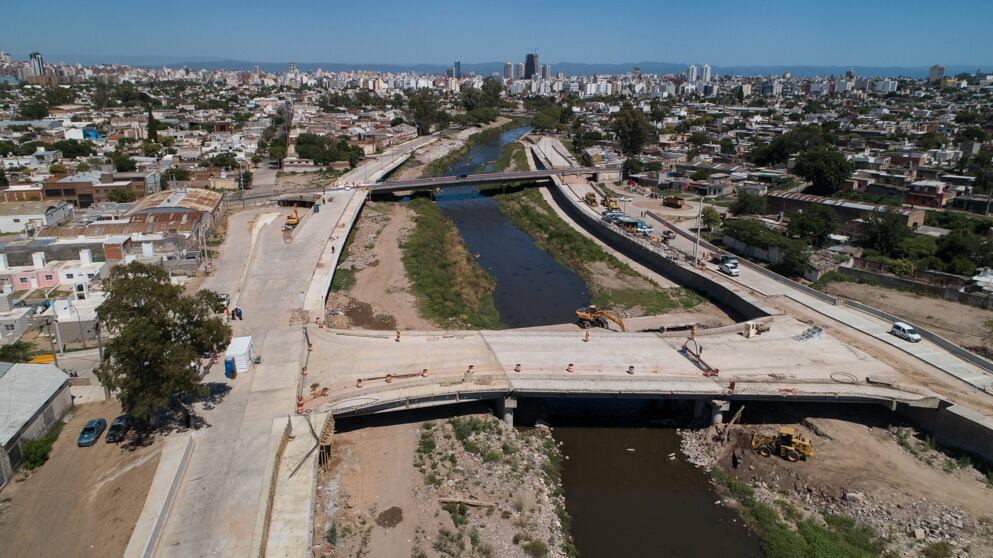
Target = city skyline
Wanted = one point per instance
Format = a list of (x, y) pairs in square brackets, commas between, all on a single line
[(846, 33)]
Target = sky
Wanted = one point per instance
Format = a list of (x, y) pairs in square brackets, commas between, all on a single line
[(718, 32)]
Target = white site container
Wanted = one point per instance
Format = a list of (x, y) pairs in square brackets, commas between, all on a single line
[(243, 353)]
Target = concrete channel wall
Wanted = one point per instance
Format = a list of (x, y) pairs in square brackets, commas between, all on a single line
[(172, 465), (955, 427), (745, 308)]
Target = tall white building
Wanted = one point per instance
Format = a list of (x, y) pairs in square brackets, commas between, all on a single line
[(508, 70), (519, 70), (37, 64), (706, 72), (691, 73)]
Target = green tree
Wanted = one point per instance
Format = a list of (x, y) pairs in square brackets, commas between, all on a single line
[(82, 167), (73, 149), (492, 88), (632, 166), (159, 334), (748, 203), (971, 133), (18, 351), (710, 217), (932, 140), (33, 110), (632, 128), (728, 147), (226, 161), (3, 178), (121, 195), (57, 168), (150, 149), (152, 126), (883, 232), (698, 138), (123, 163), (826, 168), (813, 225), (422, 107)]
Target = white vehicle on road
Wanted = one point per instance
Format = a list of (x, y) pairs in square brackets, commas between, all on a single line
[(905, 331), (730, 268)]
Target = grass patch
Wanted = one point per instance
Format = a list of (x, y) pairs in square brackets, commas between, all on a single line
[(836, 537), (452, 289), (344, 278), (937, 550), (529, 211), (512, 153), (839, 277), (35, 452), (440, 166)]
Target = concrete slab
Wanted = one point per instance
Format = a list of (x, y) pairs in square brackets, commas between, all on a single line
[(175, 457), (290, 526)]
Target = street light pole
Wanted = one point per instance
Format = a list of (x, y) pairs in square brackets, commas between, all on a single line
[(51, 341)]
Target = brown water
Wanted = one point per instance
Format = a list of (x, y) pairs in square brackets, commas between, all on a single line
[(628, 499)]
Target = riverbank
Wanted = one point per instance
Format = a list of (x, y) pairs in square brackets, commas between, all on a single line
[(611, 283), (490, 132), (465, 486), (451, 288), (872, 488), (371, 288)]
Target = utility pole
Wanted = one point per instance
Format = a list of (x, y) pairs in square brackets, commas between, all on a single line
[(51, 341), (696, 246)]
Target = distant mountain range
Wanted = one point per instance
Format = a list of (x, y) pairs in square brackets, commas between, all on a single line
[(487, 68)]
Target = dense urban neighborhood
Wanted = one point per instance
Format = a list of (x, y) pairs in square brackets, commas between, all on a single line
[(303, 312)]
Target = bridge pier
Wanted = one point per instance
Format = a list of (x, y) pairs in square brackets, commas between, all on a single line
[(709, 411), (505, 409)]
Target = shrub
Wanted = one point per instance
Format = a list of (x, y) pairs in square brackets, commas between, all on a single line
[(35, 452), (536, 549)]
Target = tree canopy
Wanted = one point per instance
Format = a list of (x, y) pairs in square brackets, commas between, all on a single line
[(423, 106), (798, 140), (158, 335), (826, 168), (748, 203), (323, 150), (814, 224), (632, 128)]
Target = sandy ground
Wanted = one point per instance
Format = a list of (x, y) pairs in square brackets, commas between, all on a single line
[(880, 474), (960, 323), (381, 297), (84, 501), (381, 492)]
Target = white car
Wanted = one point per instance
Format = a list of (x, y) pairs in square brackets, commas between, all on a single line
[(905, 331), (730, 269)]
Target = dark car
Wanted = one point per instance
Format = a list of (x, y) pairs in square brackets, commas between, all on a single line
[(119, 429), (91, 432), (463, 176)]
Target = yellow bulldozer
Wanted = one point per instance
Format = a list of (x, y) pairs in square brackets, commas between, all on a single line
[(788, 444), (293, 219), (589, 316), (590, 199), (610, 203)]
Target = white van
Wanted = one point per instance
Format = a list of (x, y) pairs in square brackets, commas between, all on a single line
[(905, 331)]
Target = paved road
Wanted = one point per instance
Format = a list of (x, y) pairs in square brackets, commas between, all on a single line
[(219, 503), (441, 181)]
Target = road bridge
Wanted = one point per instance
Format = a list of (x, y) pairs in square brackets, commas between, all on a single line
[(481, 178)]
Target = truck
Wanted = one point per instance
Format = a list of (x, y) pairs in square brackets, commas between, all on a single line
[(673, 201)]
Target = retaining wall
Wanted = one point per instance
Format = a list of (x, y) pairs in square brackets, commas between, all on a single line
[(744, 307), (168, 476), (946, 292), (955, 427)]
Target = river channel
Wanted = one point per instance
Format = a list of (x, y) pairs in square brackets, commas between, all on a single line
[(627, 497)]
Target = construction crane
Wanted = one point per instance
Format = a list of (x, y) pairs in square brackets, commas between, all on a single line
[(589, 316)]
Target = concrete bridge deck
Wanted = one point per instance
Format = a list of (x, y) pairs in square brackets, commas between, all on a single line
[(773, 365), (481, 178)]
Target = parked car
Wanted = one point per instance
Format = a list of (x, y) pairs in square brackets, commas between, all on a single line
[(119, 428), (906, 332), (730, 268), (91, 432)]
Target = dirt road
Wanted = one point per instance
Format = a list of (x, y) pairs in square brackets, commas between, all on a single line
[(959, 323), (84, 502)]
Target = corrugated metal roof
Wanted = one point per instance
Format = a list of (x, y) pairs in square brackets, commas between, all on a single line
[(195, 199), (835, 202), (24, 389)]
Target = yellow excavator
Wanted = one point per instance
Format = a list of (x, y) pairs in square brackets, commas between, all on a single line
[(589, 316), (610, 203), (590, 199), (293, 219)]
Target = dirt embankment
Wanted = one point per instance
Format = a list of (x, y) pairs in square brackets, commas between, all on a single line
[(959, 323), (887, 477), (83, 501), (421, 158), (378, 296), (463, 487)]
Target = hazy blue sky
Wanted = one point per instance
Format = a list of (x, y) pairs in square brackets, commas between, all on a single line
[(738, 32)]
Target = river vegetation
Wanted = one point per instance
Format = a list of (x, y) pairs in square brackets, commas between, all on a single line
[(451, 288), (441, 165), (611, 282), (512, 154), (786, 533)]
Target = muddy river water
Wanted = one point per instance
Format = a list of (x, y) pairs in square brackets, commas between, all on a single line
[(628, 489)]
